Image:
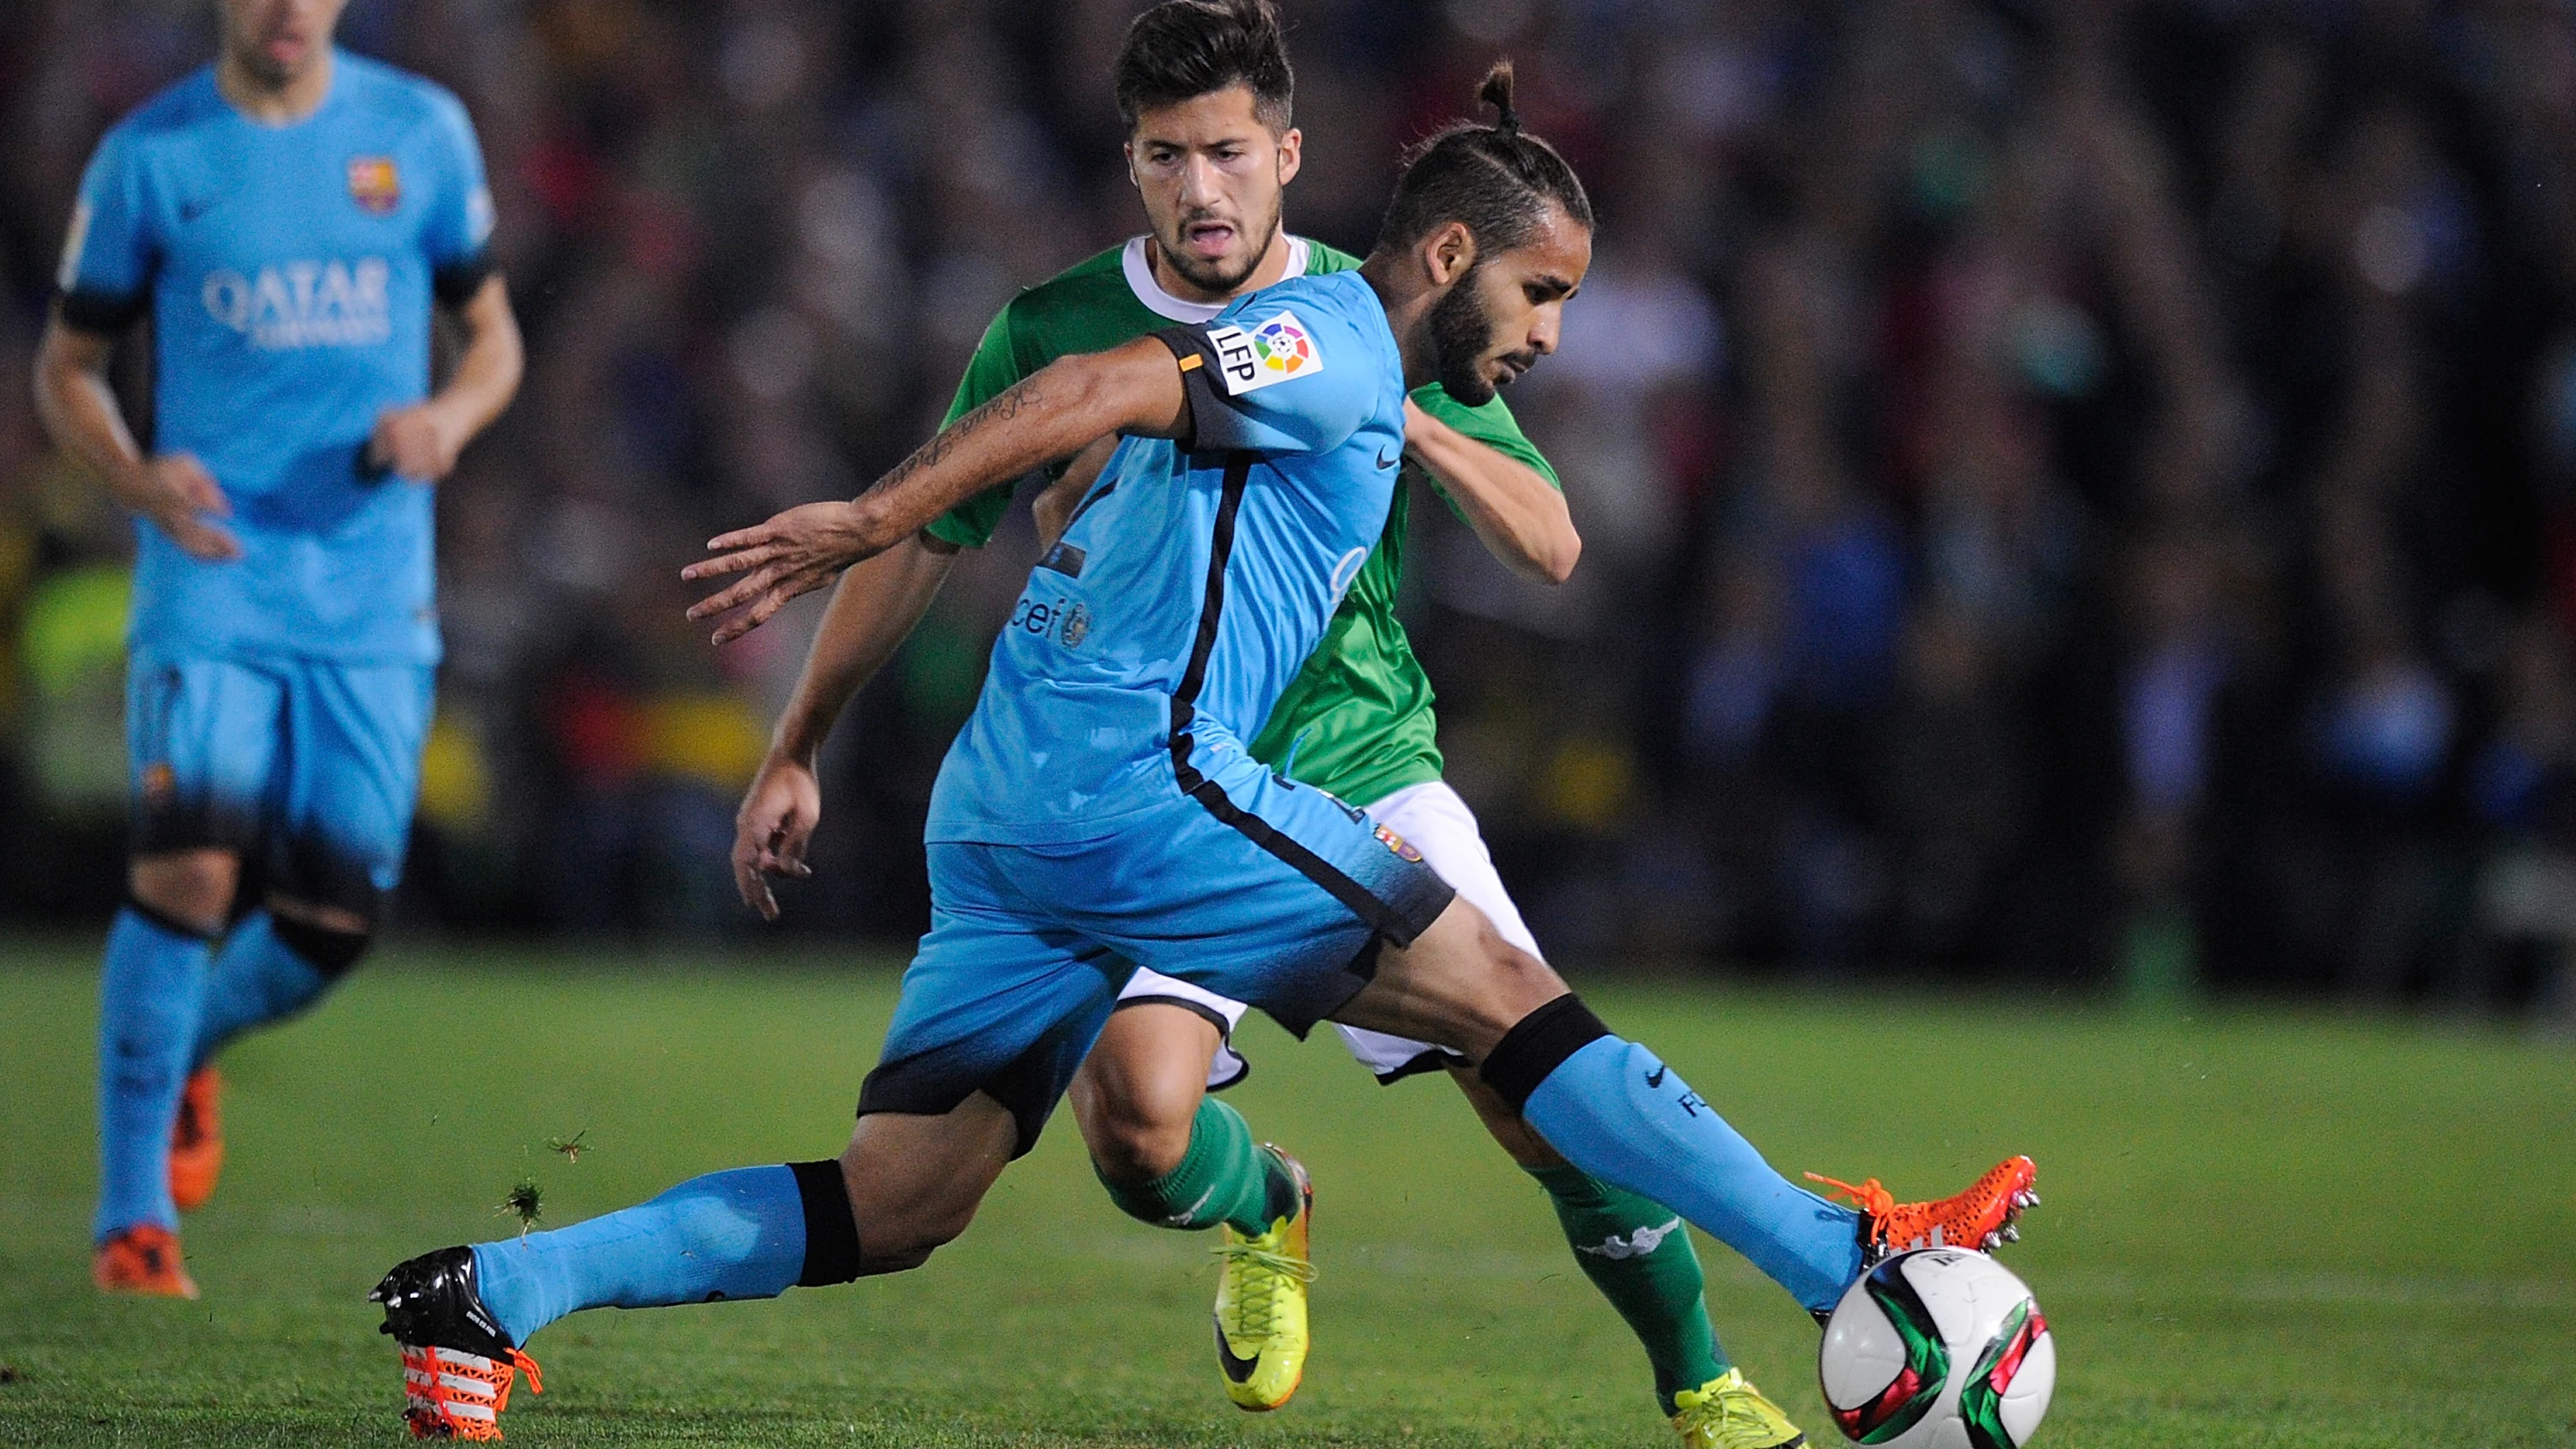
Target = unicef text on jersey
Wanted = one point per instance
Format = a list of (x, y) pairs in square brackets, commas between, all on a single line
[(1067, 624)]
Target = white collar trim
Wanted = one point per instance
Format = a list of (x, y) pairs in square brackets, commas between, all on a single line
[(1140, 280)]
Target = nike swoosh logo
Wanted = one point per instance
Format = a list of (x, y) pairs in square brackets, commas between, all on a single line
[(190, 210), (1638, 1244), (1183, 1218), (1384, 461), (1239, 1370), (1655, 1078)]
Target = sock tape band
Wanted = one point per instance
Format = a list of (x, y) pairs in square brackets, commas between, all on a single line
[(831, 1234), (1537, 1045)]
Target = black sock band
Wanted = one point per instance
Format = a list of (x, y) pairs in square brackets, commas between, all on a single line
[(1538, 1044), (328, 951), (831, 1234), (162, 920)]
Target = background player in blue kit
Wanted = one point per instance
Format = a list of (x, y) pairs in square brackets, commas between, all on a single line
[(286, 218), (1100, 811)]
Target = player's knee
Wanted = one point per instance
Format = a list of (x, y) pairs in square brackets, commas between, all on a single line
[(190, 890), (1131, 1145), (1137, 1096), (1136, 1128)]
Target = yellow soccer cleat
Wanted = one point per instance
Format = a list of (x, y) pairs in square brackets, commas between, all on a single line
[(1261, 1335), (1729, 1413)]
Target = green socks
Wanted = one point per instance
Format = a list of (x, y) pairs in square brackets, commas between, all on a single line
[(1639, 1255), (1225, 1177), (1634, 1250)]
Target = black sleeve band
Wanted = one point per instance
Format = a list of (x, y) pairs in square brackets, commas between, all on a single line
[(831, 1234), (91, 310), (1217, 422), (1537, 1045), (330, 952), (456, 283)]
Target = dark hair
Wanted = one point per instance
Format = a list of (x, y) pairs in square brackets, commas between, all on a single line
[(1497, 179), (1184, 49)]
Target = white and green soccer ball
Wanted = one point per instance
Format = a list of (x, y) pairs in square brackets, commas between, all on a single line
[(1940, 1348)]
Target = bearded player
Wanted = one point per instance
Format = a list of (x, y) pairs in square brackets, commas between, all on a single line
[(1206, 92), (1101, 812), (287, 218)]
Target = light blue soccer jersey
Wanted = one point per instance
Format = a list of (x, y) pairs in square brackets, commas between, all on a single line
[(289, 272), (1152, 641)]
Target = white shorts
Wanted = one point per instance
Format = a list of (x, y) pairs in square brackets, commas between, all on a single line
[(1433, 820)]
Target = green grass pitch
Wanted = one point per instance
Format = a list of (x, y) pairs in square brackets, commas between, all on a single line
[(2260, 1230)]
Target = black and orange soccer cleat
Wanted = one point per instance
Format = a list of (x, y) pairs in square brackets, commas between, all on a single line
[(143, 1259), (197, 1140), (458, 1365), (1981, 1217)]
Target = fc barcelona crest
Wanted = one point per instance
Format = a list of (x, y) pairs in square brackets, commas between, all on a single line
[(374, 185)]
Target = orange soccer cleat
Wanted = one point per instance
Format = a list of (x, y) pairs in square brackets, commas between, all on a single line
[(451, 1394), (197, 1140), (144, 1260), (458, 1364), (1980, 1218)]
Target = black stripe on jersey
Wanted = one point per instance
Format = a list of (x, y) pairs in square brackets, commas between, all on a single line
[(1079, 509), (1381, 917)]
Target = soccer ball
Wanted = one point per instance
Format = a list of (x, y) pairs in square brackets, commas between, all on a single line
[(1939, 1348)]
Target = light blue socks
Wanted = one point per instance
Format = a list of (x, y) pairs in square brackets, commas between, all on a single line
[(148, 991), (256, 979), (1617, 1112), (736, 1234)]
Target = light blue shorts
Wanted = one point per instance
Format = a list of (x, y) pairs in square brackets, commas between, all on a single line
[(307, 767), (1259, 889)]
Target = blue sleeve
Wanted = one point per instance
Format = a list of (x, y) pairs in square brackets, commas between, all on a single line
[(109, 255), (460, 221), (1280, 375)]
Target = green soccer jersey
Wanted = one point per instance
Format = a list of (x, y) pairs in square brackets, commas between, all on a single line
[(1357, 719)]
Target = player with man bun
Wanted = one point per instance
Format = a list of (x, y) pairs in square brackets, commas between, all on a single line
[(1207, 94), (1100, 812)]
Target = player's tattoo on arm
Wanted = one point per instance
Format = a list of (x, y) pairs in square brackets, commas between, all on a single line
[(999, 408), (1028, 424)]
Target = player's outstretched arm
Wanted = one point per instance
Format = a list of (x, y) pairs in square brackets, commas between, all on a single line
[(873, 611), (421, 442), (173, 490), (1051, 414), (1521, 519)]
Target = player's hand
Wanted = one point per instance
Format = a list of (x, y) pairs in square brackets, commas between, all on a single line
[(777, 818), (176, 492), (794, 553), (414, 443)]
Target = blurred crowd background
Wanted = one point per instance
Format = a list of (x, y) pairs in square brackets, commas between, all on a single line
[(2081, 493)]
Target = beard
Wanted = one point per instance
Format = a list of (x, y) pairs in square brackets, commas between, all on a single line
[(1219, 277), (1461, 331)]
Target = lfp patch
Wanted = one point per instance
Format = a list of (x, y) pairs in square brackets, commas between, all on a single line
[(1275, 350), (374, 184)]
